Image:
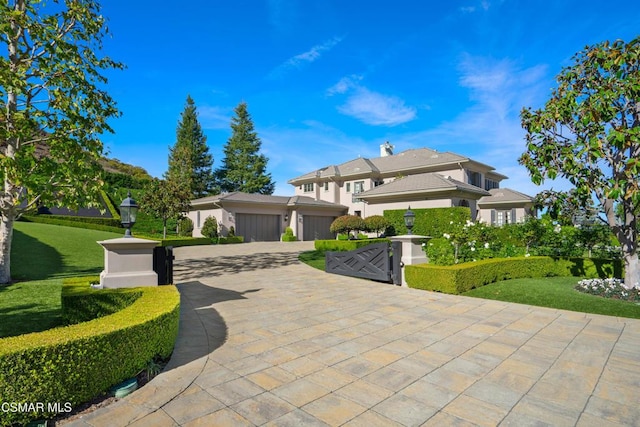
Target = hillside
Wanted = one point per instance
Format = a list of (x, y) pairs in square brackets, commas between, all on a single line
[(116, 166)]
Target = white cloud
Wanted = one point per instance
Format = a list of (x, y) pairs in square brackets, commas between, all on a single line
[(489, 129), (377, 109), (371, 107), (344, 84), (302, 59), (309, 146)]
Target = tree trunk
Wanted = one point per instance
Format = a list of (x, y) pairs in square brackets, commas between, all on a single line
[(631, 271), (6, 235)]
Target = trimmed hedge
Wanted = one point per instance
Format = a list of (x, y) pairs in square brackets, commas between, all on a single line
[(431, 222), (79, 362), (344, 245), (115, 213), (81, 303), (230, 239), (457, 279), (78, 222)]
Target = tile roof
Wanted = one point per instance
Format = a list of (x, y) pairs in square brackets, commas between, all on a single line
[(421, 183), (284, 201), (504, 195), (407, 160)]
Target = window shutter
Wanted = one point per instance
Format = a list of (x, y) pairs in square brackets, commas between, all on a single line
[(493, 216), (513, 215)]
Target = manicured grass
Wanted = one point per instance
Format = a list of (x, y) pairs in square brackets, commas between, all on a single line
[(555, 292), (32, 306), (41, 256), (313, 258), (44, 251)]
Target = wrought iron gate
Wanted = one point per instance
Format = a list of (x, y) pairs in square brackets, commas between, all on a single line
[(379, 261)]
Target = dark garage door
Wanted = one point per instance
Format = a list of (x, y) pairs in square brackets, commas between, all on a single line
[(317, 227), (258, 228)]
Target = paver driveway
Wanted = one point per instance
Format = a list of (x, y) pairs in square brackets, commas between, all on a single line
[(265, 340)]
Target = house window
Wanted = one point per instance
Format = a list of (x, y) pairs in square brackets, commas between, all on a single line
[(358, 187), (326, 186), (348, 187), (308, 188), (501, 218), (475, 178), (358, 213), (378, 183), (490, 184)]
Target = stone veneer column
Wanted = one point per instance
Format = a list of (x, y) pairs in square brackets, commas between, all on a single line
[(412, 252), (128, 263)]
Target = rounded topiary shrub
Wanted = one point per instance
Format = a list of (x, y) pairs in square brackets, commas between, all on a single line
[(376, 224), (347, 224), (185, 227), (210, 228)]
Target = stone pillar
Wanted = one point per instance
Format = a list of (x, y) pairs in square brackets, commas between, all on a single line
[(412, 252), (128, 263)]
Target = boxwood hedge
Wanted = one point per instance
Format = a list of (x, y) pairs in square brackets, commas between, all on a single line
[(344, 245), (457, 279), (79, 362)]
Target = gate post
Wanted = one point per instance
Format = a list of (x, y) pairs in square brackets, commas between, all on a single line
[(412, 252)]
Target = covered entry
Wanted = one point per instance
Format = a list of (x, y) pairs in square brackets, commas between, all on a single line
[(317, 227), (258, 227)]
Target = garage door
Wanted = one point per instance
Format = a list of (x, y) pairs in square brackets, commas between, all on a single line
[(317, 227), (258, 228)]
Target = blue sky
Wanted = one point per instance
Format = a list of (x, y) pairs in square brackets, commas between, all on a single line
[(327, 81)]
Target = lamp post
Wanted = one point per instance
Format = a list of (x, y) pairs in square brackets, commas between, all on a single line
[(128, 211), (409, 219)]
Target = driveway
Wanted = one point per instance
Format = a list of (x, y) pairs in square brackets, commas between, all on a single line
[(266, 340)]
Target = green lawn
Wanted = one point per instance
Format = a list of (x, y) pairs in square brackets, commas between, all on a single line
[(553, 292), (41, 256)]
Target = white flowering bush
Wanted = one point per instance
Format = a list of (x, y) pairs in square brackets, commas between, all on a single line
[(608, 288)]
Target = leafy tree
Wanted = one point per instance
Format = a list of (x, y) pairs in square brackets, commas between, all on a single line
[(589, 133), (376, 223), (166, 200), (347, 224), (189, 159), (53, 108), (243, 168)]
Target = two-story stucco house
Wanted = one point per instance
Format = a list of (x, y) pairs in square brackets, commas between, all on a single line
[(422, 178)]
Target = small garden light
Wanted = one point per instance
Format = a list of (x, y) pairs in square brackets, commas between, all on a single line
[(409, 219), (128, 211)]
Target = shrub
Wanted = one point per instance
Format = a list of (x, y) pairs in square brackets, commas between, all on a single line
[(288, 235), (230, 239), (185, 227), (210, 228), (460, 278), (231, 232), (433, 222), (344, 245), (376, 224), (81, 303), (347, 224), (77, 363)]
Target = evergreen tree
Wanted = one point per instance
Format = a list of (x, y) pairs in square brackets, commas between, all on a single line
[(189, 159), (243, 168)]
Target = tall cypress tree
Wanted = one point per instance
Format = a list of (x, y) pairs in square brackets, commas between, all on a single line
[(189, 160), (243, 167)]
